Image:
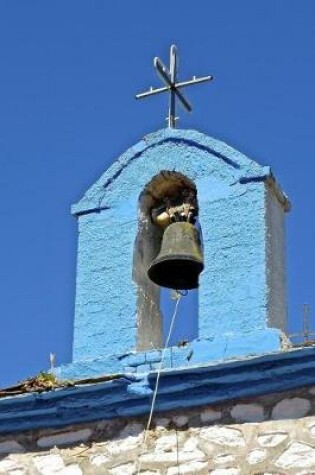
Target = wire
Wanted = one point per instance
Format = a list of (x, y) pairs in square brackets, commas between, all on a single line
[(177, 451), (179, 295)]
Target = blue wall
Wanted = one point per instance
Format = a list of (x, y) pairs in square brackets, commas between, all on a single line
[(231, 194)]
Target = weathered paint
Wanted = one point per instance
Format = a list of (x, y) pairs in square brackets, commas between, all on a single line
[(199, 351), (131, 395), (234, 297)]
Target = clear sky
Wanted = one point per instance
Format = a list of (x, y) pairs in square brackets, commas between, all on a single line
[(68, 74)]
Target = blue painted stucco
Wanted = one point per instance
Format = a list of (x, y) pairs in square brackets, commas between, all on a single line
[(130, 395), (233, 287), (199, 351)]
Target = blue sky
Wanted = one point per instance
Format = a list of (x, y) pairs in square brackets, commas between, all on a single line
[(68, 74)]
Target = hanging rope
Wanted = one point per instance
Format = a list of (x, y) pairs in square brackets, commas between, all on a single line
[(177, 296)]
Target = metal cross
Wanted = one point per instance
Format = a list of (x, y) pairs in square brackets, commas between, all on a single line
[(169, 77)]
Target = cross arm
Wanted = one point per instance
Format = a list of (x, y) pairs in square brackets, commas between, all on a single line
[(165, 75), (151, 92), (193, 81), (183, 100), (162, 71)]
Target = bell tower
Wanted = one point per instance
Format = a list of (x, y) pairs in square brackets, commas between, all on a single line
[(186, 211)]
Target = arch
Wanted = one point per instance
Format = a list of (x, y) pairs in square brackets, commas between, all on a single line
[(153, 303)]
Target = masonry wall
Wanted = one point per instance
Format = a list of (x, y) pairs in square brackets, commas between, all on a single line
[(233, 287), (273, 434), (105, 320), (233, 294)]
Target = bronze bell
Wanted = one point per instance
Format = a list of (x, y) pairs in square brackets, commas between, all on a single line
[(180, 259)]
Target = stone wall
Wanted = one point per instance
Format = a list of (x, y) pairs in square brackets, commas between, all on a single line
[(274, 434)]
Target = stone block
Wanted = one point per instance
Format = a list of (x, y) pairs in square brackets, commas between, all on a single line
[(73, 469), (128, 440), (272, 439), (11, 447), (166, 443), (210, 415), (132, 429), (156, 459), (189, 468), (130, 369), (153, 356), (162, 422), (256, 456), (291, 408), (223, 436), (9, 465), (248, 412), (144, 368), (155, 366), (224, 459), (51, 464), (133, 360), (180, 421), (298, 455), (64, 438), (124, 469), (225, 471), (99, 459), (190, 444)]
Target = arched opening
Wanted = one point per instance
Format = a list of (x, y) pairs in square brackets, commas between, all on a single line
[(155, 304), (186, 326)]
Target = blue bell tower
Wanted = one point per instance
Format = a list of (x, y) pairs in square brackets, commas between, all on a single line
[(240, 307)]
